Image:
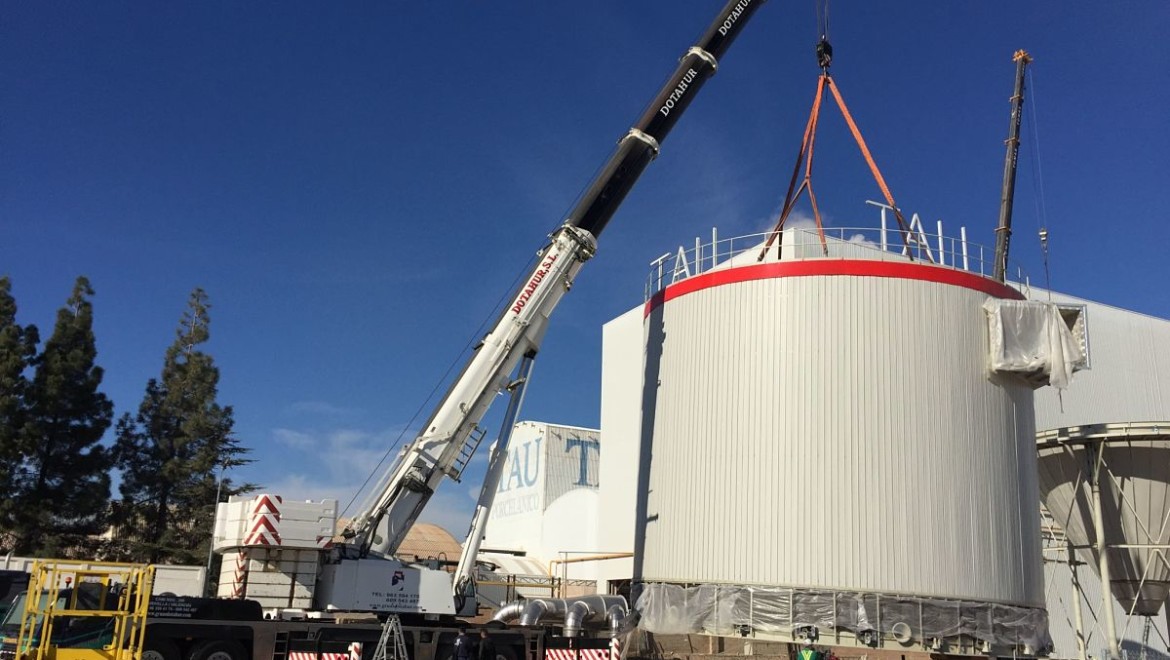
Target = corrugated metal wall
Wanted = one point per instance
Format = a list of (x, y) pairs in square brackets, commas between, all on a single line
[(836, 432), (1129, 378)]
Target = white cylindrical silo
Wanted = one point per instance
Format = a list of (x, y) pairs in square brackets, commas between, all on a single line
[(824, 452)]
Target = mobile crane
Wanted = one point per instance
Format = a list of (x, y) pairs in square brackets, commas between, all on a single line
[(362, 575), (452, 434), (357, 575)]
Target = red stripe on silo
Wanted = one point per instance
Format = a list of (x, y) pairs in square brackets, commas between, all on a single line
[(830, 267)]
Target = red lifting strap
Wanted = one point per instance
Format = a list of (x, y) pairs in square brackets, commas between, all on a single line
[(805, 156)]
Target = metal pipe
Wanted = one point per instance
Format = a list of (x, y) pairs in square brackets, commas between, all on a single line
[(616, 615), (510, 612), (590, 608), (598, 557), (539, 608), (1097, 456), (574, 616), (1077, 593)]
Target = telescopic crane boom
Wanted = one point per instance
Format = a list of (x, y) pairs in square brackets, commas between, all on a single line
[(451, 433), (1003, 232)]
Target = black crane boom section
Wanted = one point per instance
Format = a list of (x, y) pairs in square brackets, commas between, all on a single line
[(635, 151)]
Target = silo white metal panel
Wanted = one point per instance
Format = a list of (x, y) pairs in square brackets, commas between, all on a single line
[(836, 431)]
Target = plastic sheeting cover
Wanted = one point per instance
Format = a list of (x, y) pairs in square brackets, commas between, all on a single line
[(1031, 338), (726, 610)]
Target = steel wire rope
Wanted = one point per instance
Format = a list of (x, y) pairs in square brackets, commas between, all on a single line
[(475, 337), (1038, 197)]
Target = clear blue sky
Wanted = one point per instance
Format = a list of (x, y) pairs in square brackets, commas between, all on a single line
[(357, 185)]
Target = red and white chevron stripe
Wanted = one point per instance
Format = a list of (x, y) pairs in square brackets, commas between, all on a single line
[(266, 504), (355, 651), (263, 531), (265, 521), (241, 573), (576, 654), (309, 655)]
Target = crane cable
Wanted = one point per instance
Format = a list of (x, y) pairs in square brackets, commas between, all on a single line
[(821, 7), (475, 337), (1038, 186)]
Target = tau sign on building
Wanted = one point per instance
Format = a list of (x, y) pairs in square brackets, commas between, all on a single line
[(546, 502)]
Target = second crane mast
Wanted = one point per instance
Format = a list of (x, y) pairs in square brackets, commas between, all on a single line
[(449, 432)]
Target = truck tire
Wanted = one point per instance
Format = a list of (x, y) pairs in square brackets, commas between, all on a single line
[(504, 652), (218, 649), (161, 649)]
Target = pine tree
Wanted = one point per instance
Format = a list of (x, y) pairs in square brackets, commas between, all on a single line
[(173, 452), (18, 347), (61, 498)]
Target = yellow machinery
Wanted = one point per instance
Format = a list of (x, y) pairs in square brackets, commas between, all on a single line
[(85, 611)]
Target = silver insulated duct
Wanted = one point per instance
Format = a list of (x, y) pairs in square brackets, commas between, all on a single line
[(510, 612), (539, 609), (588, 609), (573, 612)]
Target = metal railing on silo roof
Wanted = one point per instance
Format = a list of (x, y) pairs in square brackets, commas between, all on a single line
[(803, 243)]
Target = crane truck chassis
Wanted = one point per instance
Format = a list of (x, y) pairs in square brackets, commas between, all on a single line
[(188, 628), (342, 626)]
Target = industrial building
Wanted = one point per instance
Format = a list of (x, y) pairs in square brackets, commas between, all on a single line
[(822, 451)]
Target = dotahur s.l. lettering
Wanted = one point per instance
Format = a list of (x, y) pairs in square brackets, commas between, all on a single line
[(533, 283)]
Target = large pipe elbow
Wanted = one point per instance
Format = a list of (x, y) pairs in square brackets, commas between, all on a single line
[(539, 608), (616, 615), (510, 612), (584, 609), (576, 615)]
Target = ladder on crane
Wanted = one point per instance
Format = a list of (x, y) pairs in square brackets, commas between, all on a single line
[(392, 644)]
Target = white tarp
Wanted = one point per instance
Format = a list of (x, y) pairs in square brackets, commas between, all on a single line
[(1031, 339)]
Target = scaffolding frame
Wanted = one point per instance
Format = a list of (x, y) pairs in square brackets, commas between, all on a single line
[(123, 596)]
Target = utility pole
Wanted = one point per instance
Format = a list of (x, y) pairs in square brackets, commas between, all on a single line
[(1003, 232)]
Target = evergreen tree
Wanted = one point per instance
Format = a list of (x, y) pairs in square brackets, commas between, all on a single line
[(173, 452), (61, 498), (18, 347)]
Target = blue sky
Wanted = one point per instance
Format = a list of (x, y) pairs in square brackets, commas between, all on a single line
[(357, 185)]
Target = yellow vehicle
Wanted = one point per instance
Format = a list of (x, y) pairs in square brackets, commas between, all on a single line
[(84, 611)]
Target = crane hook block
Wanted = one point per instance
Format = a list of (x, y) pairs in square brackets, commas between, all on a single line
[(824, 54)]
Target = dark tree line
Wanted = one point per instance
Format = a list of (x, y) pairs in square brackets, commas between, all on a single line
[(57, 468)]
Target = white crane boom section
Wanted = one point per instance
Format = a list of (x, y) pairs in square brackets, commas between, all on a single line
[(437, 452)]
